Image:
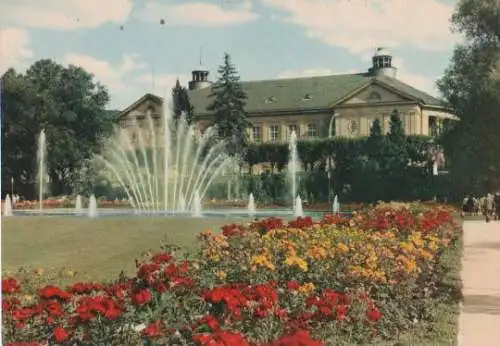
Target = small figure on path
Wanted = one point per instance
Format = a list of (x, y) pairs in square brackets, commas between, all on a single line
[(490, 206), (497, 206)]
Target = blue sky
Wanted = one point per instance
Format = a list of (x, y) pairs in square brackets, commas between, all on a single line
[(126, 47)]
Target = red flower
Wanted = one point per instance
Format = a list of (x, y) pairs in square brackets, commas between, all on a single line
[(154, 330), (300, 337), (221, 338), (84, 287), (142, 297), (60, 334), (161, 258), (292, 285), (373, 314), (50, 292), (10, 285)]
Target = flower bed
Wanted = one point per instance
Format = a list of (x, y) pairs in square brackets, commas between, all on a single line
[(367, 277)]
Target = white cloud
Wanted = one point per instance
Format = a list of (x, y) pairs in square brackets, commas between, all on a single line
[(64, 14), (14, 48), (359, 26), (111, 75), (199, 14)]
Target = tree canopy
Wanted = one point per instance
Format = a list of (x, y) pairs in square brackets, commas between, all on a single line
[(65, 101), (471, 85), (228, 106)]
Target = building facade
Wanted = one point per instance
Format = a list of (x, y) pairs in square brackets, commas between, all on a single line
[(317, 107)]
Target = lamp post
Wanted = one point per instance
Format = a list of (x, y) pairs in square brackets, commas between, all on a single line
[(12, 187)]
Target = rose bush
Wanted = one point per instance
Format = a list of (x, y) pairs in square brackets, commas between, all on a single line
[(357, 278)]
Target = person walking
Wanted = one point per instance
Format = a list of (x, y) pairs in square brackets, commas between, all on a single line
[(490, 207), (497, 206)]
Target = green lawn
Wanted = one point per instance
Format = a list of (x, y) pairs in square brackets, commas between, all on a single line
[(100, 247)]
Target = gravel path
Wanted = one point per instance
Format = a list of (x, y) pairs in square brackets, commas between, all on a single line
[(479, 323)]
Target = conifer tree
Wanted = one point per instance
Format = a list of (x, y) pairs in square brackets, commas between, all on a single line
[(228, 106), (181, 103)]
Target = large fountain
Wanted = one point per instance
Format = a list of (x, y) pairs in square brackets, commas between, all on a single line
[(163, 165)]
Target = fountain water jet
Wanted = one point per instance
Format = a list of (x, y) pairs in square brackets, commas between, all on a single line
[(298, 211), (42, 166), (335, 206), (197, 205), (78, 205), (251, 205), (7, 207), (156, 170), (92, 212), (293, 161)]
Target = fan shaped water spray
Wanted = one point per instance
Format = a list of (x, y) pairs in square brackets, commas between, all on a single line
[(162, 164)]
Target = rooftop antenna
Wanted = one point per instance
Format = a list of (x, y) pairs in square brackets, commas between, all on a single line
[(201, 53)]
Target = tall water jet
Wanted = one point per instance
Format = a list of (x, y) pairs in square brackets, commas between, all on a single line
[(197, 205), (182, 204), (7, 207), (78, 205), (298, 211), (293, 161), (335, 206), (163, 170), (42, 166), (92, 212), (251, 205)]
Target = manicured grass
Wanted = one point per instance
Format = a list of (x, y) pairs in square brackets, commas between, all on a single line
[(101, 248)]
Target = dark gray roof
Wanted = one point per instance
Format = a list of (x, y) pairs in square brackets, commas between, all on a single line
[(308, 93)]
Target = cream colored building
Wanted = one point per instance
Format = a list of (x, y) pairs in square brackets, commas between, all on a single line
[(325, 106)]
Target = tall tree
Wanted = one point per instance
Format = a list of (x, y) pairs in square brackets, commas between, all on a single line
[(228, 106), (471, 85), (182, 104), (69, 105)]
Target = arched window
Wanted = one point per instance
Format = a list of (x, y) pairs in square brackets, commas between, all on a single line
[(374, 96)]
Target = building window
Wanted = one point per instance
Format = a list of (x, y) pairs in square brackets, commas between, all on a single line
[(256, 134), (353, 126), (292, 128), (433, 126), (274, 133), (312, 130)]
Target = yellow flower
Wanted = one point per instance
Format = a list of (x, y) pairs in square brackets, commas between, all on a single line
[(262, 261), (342, 247), (294, 260), (221, 274), (39, 271), (317, 252), (306, 289)]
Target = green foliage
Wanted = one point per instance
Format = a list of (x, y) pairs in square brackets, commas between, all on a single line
[(471, 85), (228, 107), (181, 103), (69, 105)]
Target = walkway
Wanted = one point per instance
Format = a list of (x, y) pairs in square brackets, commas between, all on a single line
[(479, 323)]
